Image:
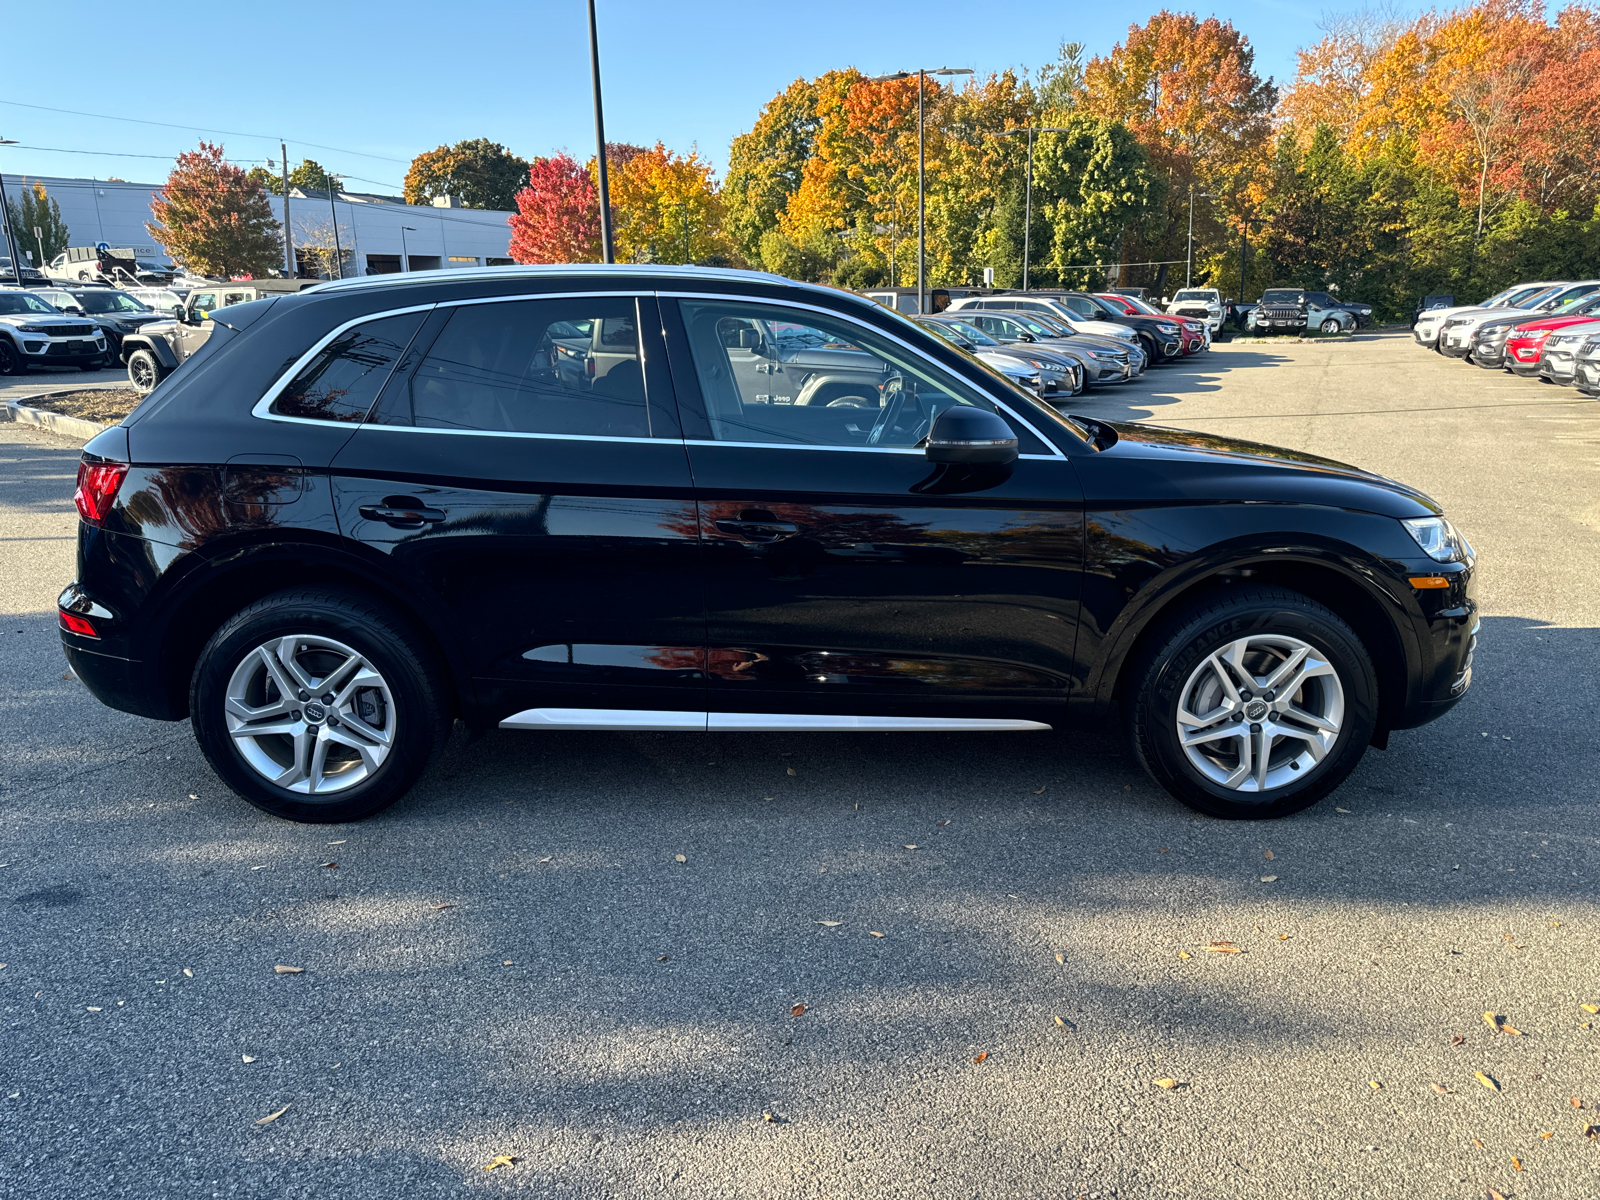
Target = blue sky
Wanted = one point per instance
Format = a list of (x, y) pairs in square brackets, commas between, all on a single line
[(390, 80)]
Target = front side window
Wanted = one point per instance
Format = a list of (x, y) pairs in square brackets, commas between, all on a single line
[(779, 376), (108, 302), (344, 379), (568, 366), (16, 304)]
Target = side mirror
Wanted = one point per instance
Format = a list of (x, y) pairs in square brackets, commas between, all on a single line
[(965, 434), (1025, 337), (73, 309)]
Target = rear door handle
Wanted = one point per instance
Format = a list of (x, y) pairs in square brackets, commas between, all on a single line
[(754, 529), (403, 512)]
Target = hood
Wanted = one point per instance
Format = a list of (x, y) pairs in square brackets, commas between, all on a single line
[(1439, 314), (1553, 323), (20, 319), (1477, 316), (1106, 329), (1209, 467)]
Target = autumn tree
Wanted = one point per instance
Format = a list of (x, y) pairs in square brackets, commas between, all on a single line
[(309, 174), (38, 210), (666, 208), (558, 214), (765, 165), (483, 174), (212, 218), (1093, 183)]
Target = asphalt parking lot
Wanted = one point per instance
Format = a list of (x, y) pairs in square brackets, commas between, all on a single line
[(512, 962)]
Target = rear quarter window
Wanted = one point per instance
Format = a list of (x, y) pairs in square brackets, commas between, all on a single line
[(343, 380)]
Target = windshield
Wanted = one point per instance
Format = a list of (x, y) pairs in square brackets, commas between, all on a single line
[(1282, 296), (166, 301), (973, 334), (107, 302), (16, 304), (1037, 325), (1203, 297), (1529, 299), (944, 331), (1139, 305)]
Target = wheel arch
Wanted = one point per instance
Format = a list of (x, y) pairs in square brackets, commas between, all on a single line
[(224, 584), (1353, 596)]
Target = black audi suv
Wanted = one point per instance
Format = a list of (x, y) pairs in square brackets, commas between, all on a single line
[(654, 498)]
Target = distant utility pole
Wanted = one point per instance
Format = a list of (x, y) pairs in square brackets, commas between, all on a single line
[(338, 250), (11, 234), (288, 232), (606, 254)]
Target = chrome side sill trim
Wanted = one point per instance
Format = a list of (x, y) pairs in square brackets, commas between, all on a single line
[(649, 720)]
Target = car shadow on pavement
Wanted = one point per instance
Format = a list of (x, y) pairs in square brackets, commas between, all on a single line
[(1168, 383), (34, 475)]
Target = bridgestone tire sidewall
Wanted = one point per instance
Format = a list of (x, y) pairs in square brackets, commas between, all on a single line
[(1168, 668), (367, 628)]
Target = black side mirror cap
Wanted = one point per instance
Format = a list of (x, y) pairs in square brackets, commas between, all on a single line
[(965, 434)]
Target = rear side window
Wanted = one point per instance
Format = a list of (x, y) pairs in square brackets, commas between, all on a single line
[(344, 379), (567, 366)]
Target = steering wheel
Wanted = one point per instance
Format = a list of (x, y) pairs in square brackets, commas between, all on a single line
[(894, 399)]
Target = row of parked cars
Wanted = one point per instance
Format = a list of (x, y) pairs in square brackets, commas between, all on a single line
[(1059, 343), (1547, 330)]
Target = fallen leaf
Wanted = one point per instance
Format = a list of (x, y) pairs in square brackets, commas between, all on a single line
[(1493, 1195), (1161, 849), (248, 1057), (1590, 1008), (941, 824), (271, 1117), (831, 924), (663, 957), (1269, 879), (1592, 1132), (1223, 948), (546, 858), (192, 796), (506, 963), (1343, 810), (1040, 792), (981, 1057), (1165, 1084), (799, 1010), (874, 933), (1375, 1085), (1059, 1021), (501, 1160), (1184, 954), (1516, 1163), (1486, 1081), (766, 1116), (679, 858), (280, 969), (792, 771), (1283, 937), (1268, 856), (1575, 1102), (1511, 1029), (340, 842), (1061, 958), (1458, 1040), (442, 907), (91, 1008), (911, 846), (328, 864), (188, 972), (1549, 1134), (1441, 1089), (1477, 1143)]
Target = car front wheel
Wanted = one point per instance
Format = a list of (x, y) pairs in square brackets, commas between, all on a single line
[(144, 372), (316, 706), (10, 359), (1253, 704), (1331, 325)]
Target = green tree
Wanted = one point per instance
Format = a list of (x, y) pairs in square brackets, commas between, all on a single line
[(37, 210), (1061, 82), (213, 218), (1092, 183), (309, 174), (764, 169), (482, 173)]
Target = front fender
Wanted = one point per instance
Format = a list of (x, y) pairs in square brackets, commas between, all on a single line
[(157, 346)]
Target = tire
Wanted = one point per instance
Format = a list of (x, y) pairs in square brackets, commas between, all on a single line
[(1182, 665), (144, 372), (11, 361), (389, 715), (1331, 325), (1152, 352)]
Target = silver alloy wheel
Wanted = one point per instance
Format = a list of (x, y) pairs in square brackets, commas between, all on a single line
[(310, 714), (1260, 712), (142, 373)]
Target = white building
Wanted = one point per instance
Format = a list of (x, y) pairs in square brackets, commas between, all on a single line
[(375, 232)]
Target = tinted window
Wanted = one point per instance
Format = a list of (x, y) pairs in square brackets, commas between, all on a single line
[(342, 382), (777, 376), (569, 366)]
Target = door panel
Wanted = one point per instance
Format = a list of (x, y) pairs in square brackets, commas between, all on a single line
[(568, 565)]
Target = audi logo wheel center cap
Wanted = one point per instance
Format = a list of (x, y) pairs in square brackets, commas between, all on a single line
[(315, 712)]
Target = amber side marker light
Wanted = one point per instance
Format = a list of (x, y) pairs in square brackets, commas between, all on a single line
[(1430, 581)]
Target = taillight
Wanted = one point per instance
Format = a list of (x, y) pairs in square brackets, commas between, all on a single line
[(73, 623), (97, 488)]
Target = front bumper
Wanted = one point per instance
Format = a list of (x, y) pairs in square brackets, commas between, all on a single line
[(1426, 335), (1559, 365), (1455, 343), (1489, 355), (61, 352), (1448, 631), (1524, 368), (1587, 376)]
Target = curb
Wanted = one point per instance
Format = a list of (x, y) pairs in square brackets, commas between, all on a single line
[(72, 427)]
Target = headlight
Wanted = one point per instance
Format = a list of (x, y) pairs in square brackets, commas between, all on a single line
[(44, 329), (1440, 540), (1169, 330)]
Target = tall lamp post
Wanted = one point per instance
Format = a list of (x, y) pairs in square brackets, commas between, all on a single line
[(11, 234), (606, 254), (1188, 271), (405, 254), (1027, 203), (921, 73)]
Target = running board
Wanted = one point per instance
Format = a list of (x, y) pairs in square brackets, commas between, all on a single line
[(653, 721)]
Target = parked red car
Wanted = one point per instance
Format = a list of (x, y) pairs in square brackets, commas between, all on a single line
[(1196, 334), (1525, 344)]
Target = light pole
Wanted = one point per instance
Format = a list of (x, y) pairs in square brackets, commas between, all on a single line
[(405, 255), (1188, 271), (1027, 203), (338, 250), (921, 73), (606, 254), (11, 234)]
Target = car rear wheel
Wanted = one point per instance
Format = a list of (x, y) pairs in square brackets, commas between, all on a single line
[(315, 706), (1253, 704), (144, 372)]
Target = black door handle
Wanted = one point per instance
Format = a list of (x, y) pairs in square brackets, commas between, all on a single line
[(403, 512), (757, 525)]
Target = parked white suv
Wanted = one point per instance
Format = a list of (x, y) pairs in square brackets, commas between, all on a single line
[(33, 334), (1203, 304)]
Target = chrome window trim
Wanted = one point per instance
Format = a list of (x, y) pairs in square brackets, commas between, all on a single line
[(828, 312)]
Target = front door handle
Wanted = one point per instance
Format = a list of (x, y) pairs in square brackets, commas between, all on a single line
[(756, 525), (403, 512)]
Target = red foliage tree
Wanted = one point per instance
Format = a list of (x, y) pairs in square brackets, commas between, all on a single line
[(214, 218), (558, 214)]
